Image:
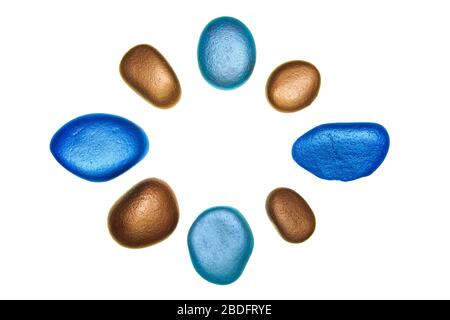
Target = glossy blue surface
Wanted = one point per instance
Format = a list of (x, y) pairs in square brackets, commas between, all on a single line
[(226, 53), (99, 147), (220, 243), (342, 151)]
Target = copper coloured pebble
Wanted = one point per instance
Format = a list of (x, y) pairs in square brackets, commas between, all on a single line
[(293, 86), (149, 74), (291, 215), (145, 215)]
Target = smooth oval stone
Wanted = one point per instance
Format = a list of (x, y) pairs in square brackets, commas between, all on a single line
[(226, 53), (293, 86), (291, 215), (220, 244), (99, 147), (145, 215), (342, 151), (148, 73)]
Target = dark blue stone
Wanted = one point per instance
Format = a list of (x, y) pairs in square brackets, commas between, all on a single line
[(220, 243), (99, 147), (226, 53), (342, 151)]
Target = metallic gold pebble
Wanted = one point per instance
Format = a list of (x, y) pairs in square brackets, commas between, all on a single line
[(148, 73), (291, 215), (293, 86), (145, 215)]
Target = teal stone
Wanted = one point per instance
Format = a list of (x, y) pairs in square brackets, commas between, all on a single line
[(226, 53), (220, 244)]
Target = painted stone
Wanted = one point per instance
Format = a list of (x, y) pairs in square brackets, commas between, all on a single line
[(99, 147), (145, 215), (342, 151), (291, 215), (226, 53), (293, 86), (220, 243), (149, 74)]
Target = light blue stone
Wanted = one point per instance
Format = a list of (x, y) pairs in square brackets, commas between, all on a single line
[(220, 243), (226, 53), (342, 151), (99, 147)]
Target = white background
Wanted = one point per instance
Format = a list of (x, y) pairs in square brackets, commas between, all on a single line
[(384, 236)]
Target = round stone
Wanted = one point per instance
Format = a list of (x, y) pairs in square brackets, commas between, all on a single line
[(226, 53), (291, 215), (293, 86), (220, 244), (144, 215)]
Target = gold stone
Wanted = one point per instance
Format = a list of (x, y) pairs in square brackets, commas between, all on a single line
[(291, 215), (293, 86), (149, 74), (145, 215)]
